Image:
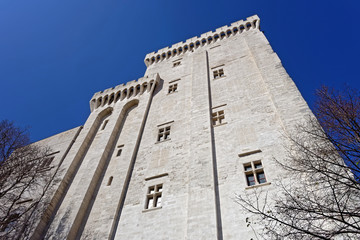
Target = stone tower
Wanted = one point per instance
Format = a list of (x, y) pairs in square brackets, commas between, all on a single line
[(162, 157)]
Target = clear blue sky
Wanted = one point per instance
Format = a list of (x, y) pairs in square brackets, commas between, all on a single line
[(54, 55)]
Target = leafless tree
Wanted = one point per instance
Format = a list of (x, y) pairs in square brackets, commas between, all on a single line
[(320, 196), (24, 178)]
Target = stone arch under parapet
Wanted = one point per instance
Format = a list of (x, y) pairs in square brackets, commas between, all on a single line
[(90, 197), (92, 104), (58, 198), (98, 102)]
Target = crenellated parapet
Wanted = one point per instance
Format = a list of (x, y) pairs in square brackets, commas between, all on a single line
[(123, 92), (191, 44)]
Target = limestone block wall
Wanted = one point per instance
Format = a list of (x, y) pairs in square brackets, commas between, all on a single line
[(204, 108), (60, 145)]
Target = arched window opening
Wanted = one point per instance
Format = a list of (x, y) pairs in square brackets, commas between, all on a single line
[(228, 32), (203, 41), (242, 28), (111, 98), (110, 181), (186, 48), (222, 35), (105, 99), (254, 23), (191, 45), (163, 55), (180, 49), (124, 94), (248, 26), (174, 52), (210, 39), (235, 30), (151, 84), (118, 95), (152, 59), (144, 88), (157, 58), (216, 37), (99, 102), (169, 54), (197, 44), (137, 89), (131, 91)]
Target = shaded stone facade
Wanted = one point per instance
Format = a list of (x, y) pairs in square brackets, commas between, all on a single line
[(162, 157)]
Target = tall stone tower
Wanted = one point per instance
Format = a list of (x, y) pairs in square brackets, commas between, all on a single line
[(162, 157)]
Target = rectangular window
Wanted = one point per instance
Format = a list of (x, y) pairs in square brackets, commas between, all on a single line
[(153, 196), (164, 134), (104, 125), (47, 162), (218, 118), (218, 73), (172, 88), (175, 64), (254, 173), (118, 150)]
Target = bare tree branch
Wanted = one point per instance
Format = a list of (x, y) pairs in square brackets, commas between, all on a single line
[(320, 197)]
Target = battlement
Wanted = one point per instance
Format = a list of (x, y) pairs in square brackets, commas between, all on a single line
[(210, 37), (123, 91)]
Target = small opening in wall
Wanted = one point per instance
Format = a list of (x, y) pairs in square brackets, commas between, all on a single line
[(111, 99), (203, 41), (242, 28), (222, 34), (216, 36), (180, 50), (235, 30), (119, 152), (144, 87), (104, 125), (191, 45), (197, 43), (254, 22), (110, 181), (228, 32), (248, 26), (186, 47), (131, 91)]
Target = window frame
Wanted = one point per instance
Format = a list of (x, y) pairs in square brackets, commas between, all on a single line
[(218, 115), (153, 194), (251, 169), (176, 63), (172, 88), (218, 73), (164, 132)]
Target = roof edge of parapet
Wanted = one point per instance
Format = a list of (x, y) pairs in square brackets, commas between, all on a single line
[(122, 91), (223, 32)]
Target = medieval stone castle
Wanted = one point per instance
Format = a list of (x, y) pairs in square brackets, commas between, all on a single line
[(164, 156)]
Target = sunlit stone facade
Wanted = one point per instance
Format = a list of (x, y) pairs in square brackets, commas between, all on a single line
[(163, 157)]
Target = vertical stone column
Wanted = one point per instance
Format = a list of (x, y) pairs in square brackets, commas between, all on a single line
[(201, 223)]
